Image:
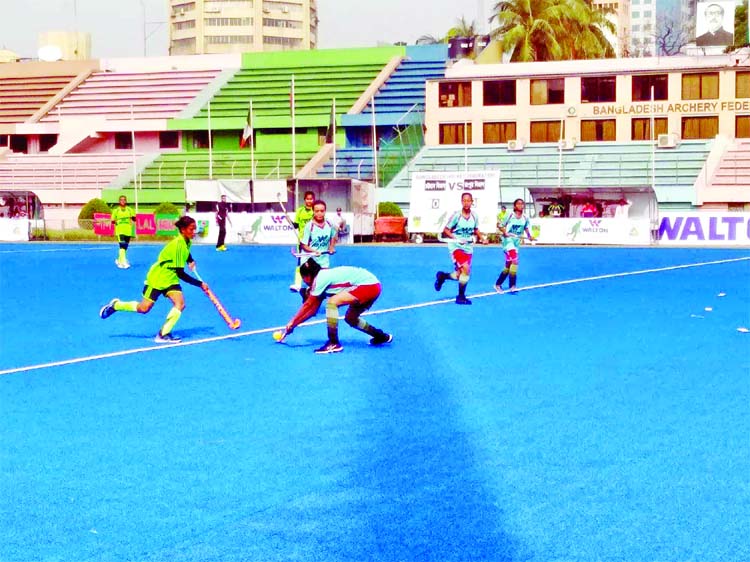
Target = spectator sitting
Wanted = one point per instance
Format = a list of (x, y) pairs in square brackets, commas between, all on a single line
[(589, 210), (555, 209), (341, 225)]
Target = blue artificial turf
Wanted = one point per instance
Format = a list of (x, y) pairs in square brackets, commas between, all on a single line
[(598, 420)]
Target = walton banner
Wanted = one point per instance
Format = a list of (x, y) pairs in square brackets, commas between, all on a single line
[(703, 229)]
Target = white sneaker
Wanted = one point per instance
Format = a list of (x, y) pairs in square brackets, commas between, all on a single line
[(119, 264), (294, 288), (126, 265)]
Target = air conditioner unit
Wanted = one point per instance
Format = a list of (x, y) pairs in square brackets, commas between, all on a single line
[(515, 145), (667, 140), (566, 144)]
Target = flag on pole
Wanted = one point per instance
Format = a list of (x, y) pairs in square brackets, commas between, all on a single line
[(294, 133), (331, 130), (247, 132)]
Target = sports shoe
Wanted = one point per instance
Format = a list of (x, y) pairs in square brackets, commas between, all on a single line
[(440, 278), (223, 248), (499, 289), (126, 264), (329, 347), (167, 338), (294, 288), (119, 264), (380, 340), (108, 309), (462, 300)]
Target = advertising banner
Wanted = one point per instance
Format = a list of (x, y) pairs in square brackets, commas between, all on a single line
[(14, 230), (436, 195), (703, 229), (609, 231)]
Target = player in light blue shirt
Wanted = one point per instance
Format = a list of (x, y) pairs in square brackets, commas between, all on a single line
[(459, 232), (319, 236), (512, 230), (342, 286)]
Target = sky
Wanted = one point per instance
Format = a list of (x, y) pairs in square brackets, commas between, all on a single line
[(116, 26)]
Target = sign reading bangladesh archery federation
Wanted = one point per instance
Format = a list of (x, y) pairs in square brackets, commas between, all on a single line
[(436, 195), (661, 108)]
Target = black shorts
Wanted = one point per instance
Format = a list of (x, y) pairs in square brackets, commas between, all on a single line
[(152, 294)]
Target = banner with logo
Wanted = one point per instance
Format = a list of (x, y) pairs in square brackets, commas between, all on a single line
[(436, 195), (611, 231), (703, 229), (14, 230)]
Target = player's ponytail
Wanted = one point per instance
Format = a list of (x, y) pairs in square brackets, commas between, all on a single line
[(183, 222)]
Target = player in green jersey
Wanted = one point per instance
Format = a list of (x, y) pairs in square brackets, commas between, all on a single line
[(123, 218), (303, 215), (163, 278)]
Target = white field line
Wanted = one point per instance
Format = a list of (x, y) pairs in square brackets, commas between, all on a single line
[(375, 312)]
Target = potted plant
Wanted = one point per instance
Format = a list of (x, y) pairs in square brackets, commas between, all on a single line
[(390, 222)]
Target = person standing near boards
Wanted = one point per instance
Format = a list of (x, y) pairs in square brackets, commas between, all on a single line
[(222, 216), (123, 218)]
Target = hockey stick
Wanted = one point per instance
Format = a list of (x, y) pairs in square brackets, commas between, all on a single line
[(233, 323), (301, 254)]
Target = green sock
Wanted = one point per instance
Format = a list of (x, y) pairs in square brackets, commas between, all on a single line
[(121, 255), (297, 278), (172, 317), (128, 306)]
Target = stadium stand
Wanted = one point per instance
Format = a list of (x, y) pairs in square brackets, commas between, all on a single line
[(589, 164)]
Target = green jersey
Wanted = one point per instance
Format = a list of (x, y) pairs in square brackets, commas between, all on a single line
[(302, 217), (172, 257), (123, 219)]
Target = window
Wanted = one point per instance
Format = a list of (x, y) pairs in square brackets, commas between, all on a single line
[(640, 129), (19, 143), (700, 86), (453, 133), (180, 25), (549, 91), (636, 15), (636, 27), (642, 87), (200, 139), (289, 24), (230, 22), (285, 41), (647, 14), (545, 131), (742, 85), (499, 92), (4, 140), (598, 89), (169, 139), (498, 132), (46, 142), (598, 130), (123, 141), (454, 94), (700, 127), (228, 39), (742, 126)]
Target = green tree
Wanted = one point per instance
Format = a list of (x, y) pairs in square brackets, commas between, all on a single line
[(546, 30)]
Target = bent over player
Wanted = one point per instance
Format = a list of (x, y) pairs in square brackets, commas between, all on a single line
[(459, 231), (344, 285), (163, 278)]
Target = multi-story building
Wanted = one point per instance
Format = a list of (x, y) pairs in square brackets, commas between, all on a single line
[(591, 100), (231, 26)]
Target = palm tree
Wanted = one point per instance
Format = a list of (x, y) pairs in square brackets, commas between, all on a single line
[(543, 30), (462, 29)]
